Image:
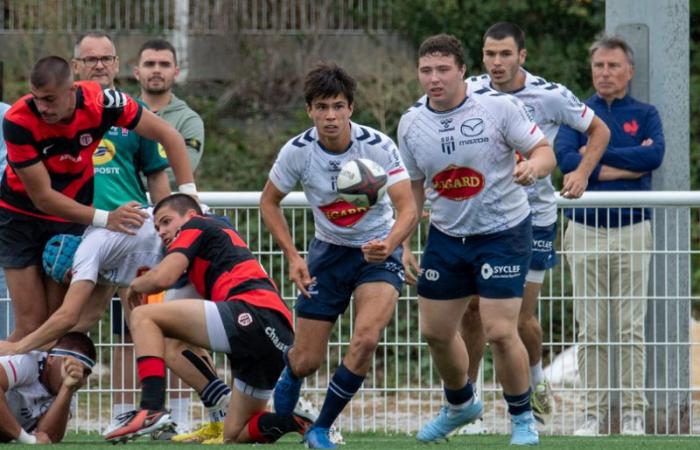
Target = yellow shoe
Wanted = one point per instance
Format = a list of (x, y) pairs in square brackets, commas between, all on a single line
[(205, 432), (216, 440)]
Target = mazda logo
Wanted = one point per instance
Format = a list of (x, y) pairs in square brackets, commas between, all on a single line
[(472, 127)]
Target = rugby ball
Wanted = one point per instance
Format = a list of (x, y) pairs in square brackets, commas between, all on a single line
[(362, 182)]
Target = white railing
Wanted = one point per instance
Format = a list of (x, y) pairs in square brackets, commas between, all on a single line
[(402, 389)]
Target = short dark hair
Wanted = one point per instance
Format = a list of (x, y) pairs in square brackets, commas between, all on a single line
[(611, 42), (328, 80), (97, 34), (503, 30), (158, 44), (445, 45), (179, 202), (79, 342), (50, 69)]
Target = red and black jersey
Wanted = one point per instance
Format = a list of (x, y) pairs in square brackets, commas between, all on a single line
[(64, 148), (222, 268)]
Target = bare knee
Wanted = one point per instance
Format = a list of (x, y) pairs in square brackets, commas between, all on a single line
[(500, 334), (363, 344), (304, 364)]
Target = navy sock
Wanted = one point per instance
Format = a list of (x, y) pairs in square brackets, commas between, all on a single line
[(341, 389), (213, 391), (459, 396), (518, 404)]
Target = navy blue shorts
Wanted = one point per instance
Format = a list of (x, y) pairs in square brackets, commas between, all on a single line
[(339, 271), (544, 256), (490, 265)]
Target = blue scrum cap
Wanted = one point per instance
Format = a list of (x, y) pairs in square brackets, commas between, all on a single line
[(58, 255)]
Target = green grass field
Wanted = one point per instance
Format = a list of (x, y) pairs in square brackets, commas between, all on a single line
[(366, 441)]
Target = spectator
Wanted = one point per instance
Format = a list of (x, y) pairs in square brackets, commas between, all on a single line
[(608, 249), (156, 71)]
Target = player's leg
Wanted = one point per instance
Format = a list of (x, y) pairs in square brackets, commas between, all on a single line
[(472, 332), (28, 297), (123, 368), (95, 308)]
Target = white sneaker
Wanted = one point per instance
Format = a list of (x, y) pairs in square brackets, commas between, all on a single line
[(306, 408), (590, 427), (476, 427), (632, 425)]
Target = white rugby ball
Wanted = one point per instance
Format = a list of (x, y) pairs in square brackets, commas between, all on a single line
[(362, 182)]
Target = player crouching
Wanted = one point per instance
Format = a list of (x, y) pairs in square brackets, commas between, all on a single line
[(244, 317)]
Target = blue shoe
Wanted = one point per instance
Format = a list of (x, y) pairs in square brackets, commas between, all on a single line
[(524, 429), (317, 437), (286, 393), (449, 420)]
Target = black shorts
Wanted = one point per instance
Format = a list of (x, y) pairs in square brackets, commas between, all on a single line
[(258, 338), (23, 237)]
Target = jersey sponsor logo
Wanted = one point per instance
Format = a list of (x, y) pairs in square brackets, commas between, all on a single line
[(472, 127), (530, 110), (104, 153), (458, 183), (631, 127), (431, 275), (114, 99), (85, 139), (272, 334), (448, 144), (446, 124), (245, 319), (507, 271), (161, 151), (542, 245), (75, 159), (334, 165), (343, 213)]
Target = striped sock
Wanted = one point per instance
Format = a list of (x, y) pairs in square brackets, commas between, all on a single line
[(341, 389), (518, 404), (213, 392)]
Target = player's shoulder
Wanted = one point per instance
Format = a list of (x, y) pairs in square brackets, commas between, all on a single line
[(23, 365), (302, 142), (483, 80), (370, 137), (546, 89)]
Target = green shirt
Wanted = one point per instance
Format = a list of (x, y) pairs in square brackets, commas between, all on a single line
[(119, 160)]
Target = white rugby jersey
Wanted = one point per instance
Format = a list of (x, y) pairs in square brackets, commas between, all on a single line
[(303, 159), (467, 157), (27, 397), (551, 105), (107, 256)]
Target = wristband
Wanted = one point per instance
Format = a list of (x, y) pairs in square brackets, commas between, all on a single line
[(188, 188), (25, 438), (99, 219)]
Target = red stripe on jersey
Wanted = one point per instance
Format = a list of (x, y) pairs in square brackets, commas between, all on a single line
[(534, 128), (240, 273), (185, 238), (263, 298), (395, 171), (14, 371), (585, 109), (235, 238), (197, 274)]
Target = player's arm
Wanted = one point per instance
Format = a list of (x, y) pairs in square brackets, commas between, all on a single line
[(410, 263), (55, 420), (277, 224), (576, 182), (9, 426), (406, 220), (37, 182), (58, 324), (158, 185), (153, 127), (539, 163), (159, 278), (192, 131)]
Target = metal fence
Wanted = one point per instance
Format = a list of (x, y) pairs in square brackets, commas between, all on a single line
[(201, 16), (402, 389)]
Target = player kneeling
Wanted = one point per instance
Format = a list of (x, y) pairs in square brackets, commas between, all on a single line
[(245, 318), (37, 389)]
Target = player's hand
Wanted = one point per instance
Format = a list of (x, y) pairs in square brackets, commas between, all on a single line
[(73, 373), (575, 184), (582, 150), (134, 299), (128, 218), (42, 438), (8, 348), (410, 266), (376, 251), (524, 173), (299, 274)]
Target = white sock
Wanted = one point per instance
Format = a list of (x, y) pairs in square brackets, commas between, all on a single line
[(180, 412), (536, 374), (217, 413), (461, 406), (120, 408)]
